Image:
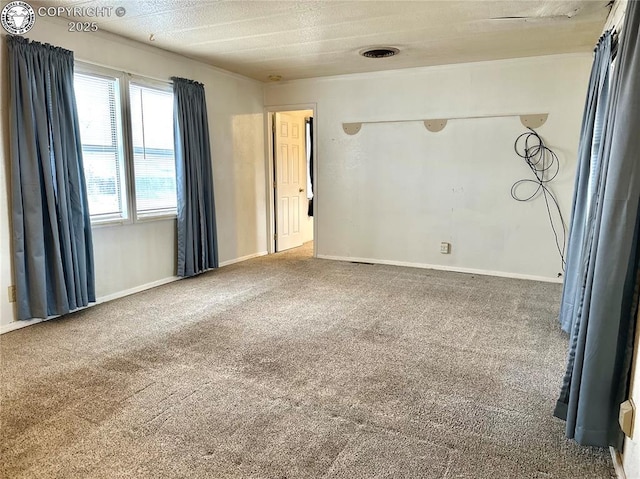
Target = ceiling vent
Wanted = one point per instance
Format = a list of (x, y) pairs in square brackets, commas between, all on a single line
[(379, 52)]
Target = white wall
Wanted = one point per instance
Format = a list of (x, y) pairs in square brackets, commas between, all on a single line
[(394, 191), (131, 257), (631, 449)]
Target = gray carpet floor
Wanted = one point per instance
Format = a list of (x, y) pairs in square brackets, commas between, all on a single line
[(292, 367)]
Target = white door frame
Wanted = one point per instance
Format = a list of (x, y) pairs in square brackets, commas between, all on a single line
[(269, 113)]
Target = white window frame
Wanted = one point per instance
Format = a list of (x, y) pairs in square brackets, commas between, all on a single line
[(166, 213), (130, 213), (125, 216)]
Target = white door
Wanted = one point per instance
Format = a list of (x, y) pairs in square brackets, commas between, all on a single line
[(290, 181)]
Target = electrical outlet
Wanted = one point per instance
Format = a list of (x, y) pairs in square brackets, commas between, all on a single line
[(12, 294), (625, 417), (445, 248)]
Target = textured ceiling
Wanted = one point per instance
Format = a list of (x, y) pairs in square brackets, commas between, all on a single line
[(301, 39)]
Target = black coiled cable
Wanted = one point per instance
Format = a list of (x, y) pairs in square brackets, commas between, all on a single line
[(544, 165)]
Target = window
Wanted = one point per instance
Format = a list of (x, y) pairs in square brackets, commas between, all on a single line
[(102, 148), (153, 157), (126, 129)]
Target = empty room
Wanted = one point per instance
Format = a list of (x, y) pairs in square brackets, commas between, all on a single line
[(319, 239)]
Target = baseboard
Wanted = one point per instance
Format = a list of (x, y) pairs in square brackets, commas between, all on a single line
[(243, 258), (616, 458), (137, 289), (5, 328), (440, 267)]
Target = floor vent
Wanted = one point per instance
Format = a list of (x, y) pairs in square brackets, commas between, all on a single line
[(379, 52)]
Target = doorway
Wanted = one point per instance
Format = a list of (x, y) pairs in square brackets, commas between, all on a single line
[(291, 170)]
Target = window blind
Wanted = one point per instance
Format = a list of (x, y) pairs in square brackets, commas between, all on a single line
[(98, 114), (153, 149)]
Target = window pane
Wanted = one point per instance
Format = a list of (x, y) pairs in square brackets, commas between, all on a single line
[(97, 98), (153, 155)]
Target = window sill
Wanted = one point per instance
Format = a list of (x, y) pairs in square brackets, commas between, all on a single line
[(110, 223), (125, 222), (156, 217)]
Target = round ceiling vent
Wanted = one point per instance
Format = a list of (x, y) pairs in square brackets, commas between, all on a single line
[(379, 52)]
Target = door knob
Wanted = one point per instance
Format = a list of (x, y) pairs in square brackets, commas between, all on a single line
[(300, 190)]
